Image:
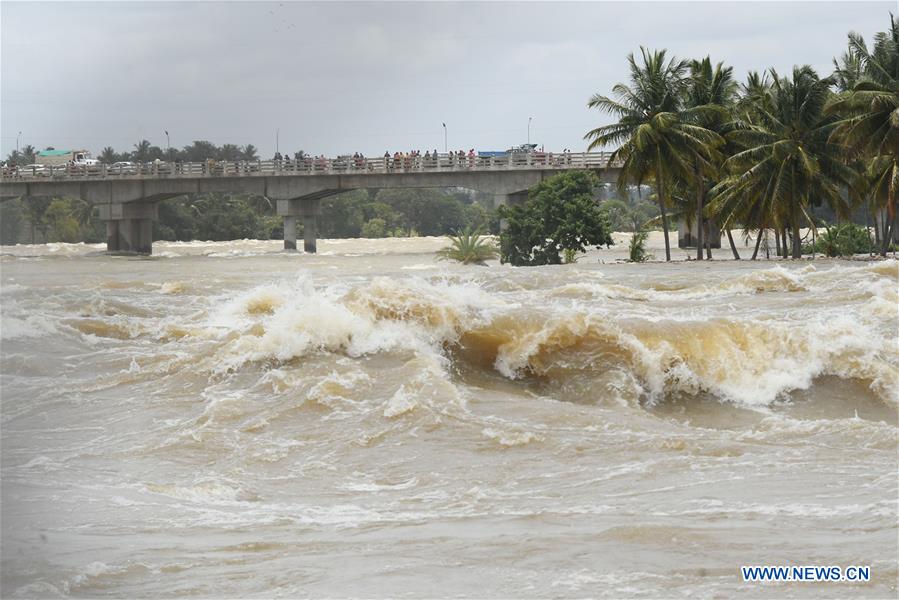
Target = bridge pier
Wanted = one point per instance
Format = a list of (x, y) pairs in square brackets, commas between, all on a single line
[(513, 199), (310, 232), (290, 233), (308, 209), (129, 226)]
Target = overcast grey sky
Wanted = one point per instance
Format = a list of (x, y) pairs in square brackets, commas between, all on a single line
[(366, 76)]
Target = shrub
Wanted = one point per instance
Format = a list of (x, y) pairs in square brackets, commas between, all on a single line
[(375, 228), (468, 248), (637, 247), (844, 239)]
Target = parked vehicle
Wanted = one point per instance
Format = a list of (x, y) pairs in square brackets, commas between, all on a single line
[(122, 168), (52, 157), (36, 169)]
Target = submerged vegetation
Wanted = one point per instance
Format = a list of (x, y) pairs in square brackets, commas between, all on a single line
[(637, 247), (469, 248)]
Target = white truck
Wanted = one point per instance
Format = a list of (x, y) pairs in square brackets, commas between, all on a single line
[(52, 158)]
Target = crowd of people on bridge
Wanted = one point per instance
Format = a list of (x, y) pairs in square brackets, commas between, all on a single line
[(415, 160)]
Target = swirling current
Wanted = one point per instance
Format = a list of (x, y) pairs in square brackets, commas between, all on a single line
[(227, 420)]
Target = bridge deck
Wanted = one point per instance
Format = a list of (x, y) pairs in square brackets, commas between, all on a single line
[(315, 166)]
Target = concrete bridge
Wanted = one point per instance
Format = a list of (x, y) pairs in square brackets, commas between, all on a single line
[(127, 196)]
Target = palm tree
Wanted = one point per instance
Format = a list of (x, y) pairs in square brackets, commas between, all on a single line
[(870, 127), (249, 153), (142, 151), (654, 138), (787, 161), (468, 248), (710, 96), (28, 155), (108, 156)]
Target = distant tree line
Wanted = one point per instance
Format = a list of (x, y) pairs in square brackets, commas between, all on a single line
[(144, 151)]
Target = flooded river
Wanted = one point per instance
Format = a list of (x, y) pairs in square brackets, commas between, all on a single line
[(227, 420)]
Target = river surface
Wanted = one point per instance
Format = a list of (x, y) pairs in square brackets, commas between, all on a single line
[(227, 420)]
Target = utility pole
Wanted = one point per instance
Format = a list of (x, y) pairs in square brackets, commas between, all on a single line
[(444, 138), (529, 129)]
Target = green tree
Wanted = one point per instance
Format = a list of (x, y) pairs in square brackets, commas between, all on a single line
[(343, 215), (28, 155), (141, 151), (61, 224), (108, 156), (560, 214), (35, 207), (11, 221), (656, 140), (710, 96), (249, 152), (787, 160), (374, 228), (869, 126), (199, 151)]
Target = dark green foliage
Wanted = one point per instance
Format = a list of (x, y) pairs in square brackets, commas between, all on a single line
[(637, 247), (844, 239), (469, 247), (343, 215), (375, 228), (629, 215), (560, 214), (216, 217), (403, 212), (12, 222)]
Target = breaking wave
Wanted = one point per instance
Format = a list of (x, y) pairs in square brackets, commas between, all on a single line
[(751, 360)]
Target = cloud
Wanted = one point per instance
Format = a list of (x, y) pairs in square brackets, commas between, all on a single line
[(342, 77)]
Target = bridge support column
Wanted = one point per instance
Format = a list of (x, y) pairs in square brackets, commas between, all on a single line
[(513, 199), (308, 209), (129, 226), (290, 233)]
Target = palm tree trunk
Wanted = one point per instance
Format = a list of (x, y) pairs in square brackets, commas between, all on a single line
[(660, 185), (699, 201), (868, 229), (758, 242), (877, 230), (733, 247), (794, 226), (708, 243), (891, 215), (814, 238), (777, 241)]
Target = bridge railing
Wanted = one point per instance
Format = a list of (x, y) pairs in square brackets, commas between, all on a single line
[(316, 166)]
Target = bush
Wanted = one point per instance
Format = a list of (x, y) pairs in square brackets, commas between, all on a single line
[(844, 239), (375, 228), (468, 248), (637, 247)]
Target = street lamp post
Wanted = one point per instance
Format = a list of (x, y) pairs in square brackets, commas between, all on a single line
[(168, 146), (444, 138), (529, 129), (17, 143)]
